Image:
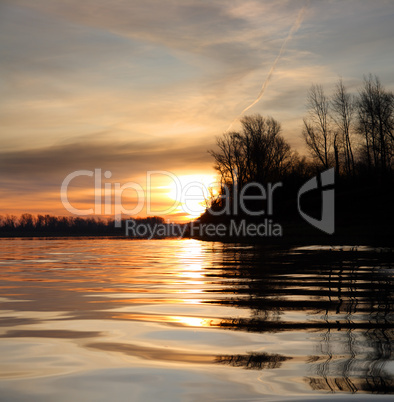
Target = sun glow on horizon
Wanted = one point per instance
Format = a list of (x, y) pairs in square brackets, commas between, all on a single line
[(192, 192)]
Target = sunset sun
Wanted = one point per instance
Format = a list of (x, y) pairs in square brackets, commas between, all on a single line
[(191, 193)]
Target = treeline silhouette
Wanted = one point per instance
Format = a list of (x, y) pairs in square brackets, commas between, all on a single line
[(48, 225), (352, 133)]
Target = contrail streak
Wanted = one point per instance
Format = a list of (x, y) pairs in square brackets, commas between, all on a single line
[(293, 29)]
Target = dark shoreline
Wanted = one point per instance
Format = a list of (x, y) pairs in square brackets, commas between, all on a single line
[(286, 241)]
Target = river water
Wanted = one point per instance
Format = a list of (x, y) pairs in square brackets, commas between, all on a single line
[(98, 319)]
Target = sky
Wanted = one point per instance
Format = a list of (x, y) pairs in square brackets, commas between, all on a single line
[(137, 86)]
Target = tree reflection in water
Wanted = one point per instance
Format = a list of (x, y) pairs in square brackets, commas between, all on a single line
[(343, 295), (257, 361)]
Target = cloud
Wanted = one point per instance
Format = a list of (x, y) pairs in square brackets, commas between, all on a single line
[(127, 159), (214, 35)]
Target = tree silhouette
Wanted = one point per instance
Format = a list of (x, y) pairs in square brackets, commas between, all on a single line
[(375, 107), (318, 134)]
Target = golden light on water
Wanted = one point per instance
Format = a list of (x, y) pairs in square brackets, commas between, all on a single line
[(191, 261), (189, 321)]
